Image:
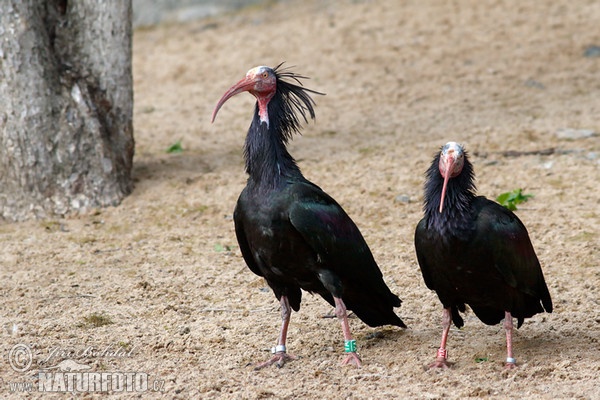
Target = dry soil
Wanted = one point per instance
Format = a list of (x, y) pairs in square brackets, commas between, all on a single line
[(159, 280)]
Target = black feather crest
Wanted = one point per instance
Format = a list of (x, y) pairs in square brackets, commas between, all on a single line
[(290, 100)]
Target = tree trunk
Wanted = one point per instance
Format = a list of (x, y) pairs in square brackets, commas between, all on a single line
[(66, 104)]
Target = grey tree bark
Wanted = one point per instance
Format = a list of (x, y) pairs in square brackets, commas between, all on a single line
[(66, 106)]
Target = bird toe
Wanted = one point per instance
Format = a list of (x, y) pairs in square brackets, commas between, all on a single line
[(440, 363), (510, 365), (352, 358), (279, 359)]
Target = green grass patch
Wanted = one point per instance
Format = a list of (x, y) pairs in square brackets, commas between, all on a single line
[(95, 320)]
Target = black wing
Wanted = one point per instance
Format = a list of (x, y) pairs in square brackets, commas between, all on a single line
[(348, 268), (423, 243), (335, 238), (238, 218), (502, 232)]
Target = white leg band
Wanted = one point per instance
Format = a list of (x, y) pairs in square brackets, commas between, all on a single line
[(511, 360), (280, 348)]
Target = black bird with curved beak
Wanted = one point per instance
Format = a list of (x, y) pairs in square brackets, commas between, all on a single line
[(290, 231), (473, 251)]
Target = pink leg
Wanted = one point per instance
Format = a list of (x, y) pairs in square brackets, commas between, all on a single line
[(442, 353), (280, 355), (342, 314), (508, 327)]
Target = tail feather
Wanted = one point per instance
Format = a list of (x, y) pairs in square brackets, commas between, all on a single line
[(375, 310)]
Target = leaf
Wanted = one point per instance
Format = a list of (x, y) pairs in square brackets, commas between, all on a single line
[(175, 147), (503, 198), (219, 247), (481, 359), (511, 199)]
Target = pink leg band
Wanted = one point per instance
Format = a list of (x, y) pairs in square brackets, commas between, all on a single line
[(442, 353)]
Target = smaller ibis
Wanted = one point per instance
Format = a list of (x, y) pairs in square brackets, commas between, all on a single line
[(472, 251)]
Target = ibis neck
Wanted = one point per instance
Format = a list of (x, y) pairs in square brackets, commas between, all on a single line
[(455, 220), (268, 162)]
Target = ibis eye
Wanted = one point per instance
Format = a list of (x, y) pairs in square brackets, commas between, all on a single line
[(265, 75)]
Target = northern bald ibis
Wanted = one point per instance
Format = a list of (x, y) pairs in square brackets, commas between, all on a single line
[(290, 231), (473, 251)]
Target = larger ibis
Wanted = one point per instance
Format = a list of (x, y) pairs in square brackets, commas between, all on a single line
[(290, 231), (473, 251)]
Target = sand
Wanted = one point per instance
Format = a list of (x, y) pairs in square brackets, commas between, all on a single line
[(158, 286)]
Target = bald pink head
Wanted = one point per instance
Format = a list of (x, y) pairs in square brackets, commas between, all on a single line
[(452, 160), (259, 81)]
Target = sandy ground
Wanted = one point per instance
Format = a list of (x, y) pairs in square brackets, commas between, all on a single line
[(160, 283)]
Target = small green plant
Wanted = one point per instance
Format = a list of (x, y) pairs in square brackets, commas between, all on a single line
[(511, 199), (481, 359), (125, 345), (219, 247), (94, 320), (175, 147)]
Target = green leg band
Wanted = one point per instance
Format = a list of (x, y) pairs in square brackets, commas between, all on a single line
[(350, 346)]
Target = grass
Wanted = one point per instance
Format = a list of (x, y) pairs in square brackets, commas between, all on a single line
[(95, 320), (51, 226), (83, 239), (583, 236)]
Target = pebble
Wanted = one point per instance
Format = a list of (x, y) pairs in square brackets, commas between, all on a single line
[(592, 155), (592, 51), (568, 133), (532, 83), (402, 198)]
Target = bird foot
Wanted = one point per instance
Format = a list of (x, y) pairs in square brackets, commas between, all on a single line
[(510, 365), (440, 362), (352, 358), (279, 359)]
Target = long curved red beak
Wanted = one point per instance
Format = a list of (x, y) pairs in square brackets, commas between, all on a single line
[(446, 174), (244, 85)]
